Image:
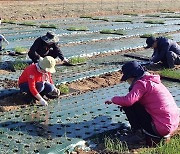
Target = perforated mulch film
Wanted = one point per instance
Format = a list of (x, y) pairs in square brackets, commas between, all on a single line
[(66, 122)]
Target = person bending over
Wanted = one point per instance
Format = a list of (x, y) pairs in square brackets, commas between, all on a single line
[(149, 106), (36, 80)]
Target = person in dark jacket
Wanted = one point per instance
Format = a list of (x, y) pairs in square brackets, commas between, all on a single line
[(166, 51), (46, 45)]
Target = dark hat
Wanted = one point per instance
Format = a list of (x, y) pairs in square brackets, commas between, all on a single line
[(132, 69), (50, 37), (150, 41)]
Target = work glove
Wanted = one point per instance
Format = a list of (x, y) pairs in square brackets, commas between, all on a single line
[(43, 102), (57, 91), (151, 62)]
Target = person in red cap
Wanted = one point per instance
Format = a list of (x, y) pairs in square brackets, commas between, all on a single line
[(46, 45), (36, 80), (165, 50), (149, 106)]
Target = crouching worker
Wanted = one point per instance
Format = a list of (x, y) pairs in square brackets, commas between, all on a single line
[(36, 80), (165, 50), (149, 106)]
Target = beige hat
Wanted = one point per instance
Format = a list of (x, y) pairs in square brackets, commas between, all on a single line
[(47, 63), (50, 37)]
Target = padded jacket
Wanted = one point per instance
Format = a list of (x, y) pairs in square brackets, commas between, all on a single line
[(31, 75), (157, 101)]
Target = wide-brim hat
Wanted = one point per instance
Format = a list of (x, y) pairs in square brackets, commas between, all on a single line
[(50, 37), (150, 41), (132, 69), (48, 64)]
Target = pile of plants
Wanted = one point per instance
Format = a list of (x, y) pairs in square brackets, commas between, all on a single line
[(110, 31), (28, 23), (154, 21), (83, 28), (77, 60), (48, 26), (19, 65), (123, 20), (64, 89), (20, 50)]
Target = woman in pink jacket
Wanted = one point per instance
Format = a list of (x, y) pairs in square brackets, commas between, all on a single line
[(149, 106)]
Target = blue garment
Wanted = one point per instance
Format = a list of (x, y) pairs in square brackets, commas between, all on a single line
[(164, 51), (42, 87)]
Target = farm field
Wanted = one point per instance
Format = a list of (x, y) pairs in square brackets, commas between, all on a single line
[(74, 118)]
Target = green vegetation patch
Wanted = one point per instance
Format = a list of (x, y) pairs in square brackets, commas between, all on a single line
[(48, 26), (152, 15), (131, 14), (19, 49), (19, 65), (85, 16), (171, 147), (77, 60), (175, 74), (28, 23), (109, 31), (155, 35), (166, 11), (154, 21), (170, 16), (115, 146), (64, 89), (98, 18), (8, 21), (83, 28), (123, 20)]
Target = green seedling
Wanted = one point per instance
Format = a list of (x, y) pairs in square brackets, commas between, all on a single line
[(154, 21), (115, 146), (19, 49), (64, 89), (19, 65), (77, 60), (48, 26), (171, 147), (109, 31), (77, 29)]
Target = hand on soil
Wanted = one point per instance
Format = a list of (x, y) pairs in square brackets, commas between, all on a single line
[(108, 102), (43, 102)]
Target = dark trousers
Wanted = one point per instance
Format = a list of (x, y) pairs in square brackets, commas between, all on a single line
[(139, 118), (42, 87), (171, 59)]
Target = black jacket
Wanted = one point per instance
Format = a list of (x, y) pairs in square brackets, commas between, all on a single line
[(42, 49)]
